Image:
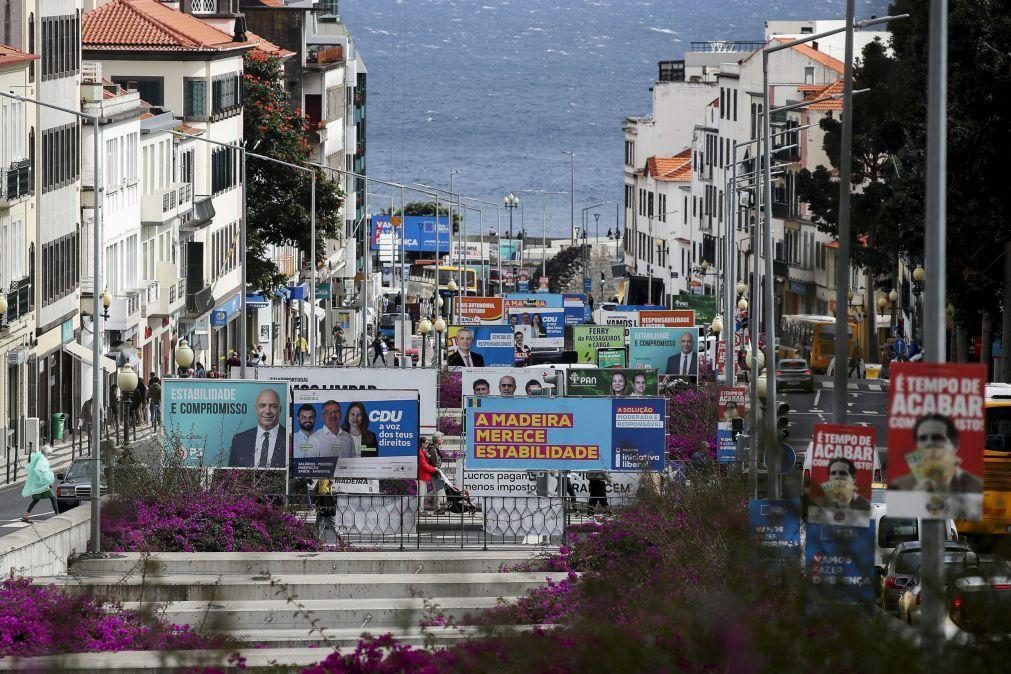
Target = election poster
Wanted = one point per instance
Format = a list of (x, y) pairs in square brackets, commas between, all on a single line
[(419, 235), (666, 318), (936, 434), (423, 380), (671, 351), (726, 445), (775, 529), (542, 483), (733, 403), (704, 306), (226, 423), (547, 326), (839, 565), (372, 434), (611, 357), (587, 339), (626, 319), (842, 469), (577, 434), (504, 381), (481, 310), (616, 383), (479, 345)]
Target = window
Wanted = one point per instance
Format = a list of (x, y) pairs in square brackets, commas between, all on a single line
[(629, 153), (735, 105), (808, 74), (151, 89), (12, 252), (629, 194), (60, 267), (334, 103), (194, 98), (61, 55), (723, 102), (223, 173), (226, 97), (60, 156)]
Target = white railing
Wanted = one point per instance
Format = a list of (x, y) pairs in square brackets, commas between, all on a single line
[(205, 6)]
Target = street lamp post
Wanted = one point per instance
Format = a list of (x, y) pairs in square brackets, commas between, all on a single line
[(184, 357), (572, 194), (126, 379), (424, 327), (440, 328), (919, 275), (511, 202)]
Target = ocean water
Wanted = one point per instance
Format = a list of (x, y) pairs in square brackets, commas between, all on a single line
[(498, 89)]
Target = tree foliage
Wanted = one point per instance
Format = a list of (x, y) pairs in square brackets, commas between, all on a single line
[(427, 208), (889, 150), (278, 197)]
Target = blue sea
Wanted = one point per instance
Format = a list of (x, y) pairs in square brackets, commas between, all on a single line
[(498, 89)]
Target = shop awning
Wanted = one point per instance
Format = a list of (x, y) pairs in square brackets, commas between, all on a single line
[(83, 354), (320, 313), (256, 301)]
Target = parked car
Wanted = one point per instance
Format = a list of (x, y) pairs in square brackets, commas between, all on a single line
[(968, 567), (979, 605), (891, 531), (794, 373), (74, 486), (904, 563)]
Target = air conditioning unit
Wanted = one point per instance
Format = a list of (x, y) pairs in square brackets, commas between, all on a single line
[(33, 434), (200, 302)]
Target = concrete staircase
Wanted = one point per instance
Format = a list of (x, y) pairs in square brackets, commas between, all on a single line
[(296, 606)]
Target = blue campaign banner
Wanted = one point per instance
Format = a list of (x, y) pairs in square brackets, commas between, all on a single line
[(487, 345), (671, 351), (569, 434), (573, 304), (354, 433), (419, 233), (839, 564), (547, 326), (226, 423), (775, 528), (577, 312), (726, 448)]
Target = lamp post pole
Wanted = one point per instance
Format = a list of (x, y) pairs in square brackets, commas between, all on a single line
[(572, 194)]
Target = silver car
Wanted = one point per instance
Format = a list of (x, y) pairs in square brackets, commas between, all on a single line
[(904, 563), (794, 373), (74, 486)]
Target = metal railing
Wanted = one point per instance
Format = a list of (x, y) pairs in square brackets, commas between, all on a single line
[(403, 521)]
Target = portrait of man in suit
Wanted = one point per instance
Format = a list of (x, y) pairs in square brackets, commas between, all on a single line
[(262, 446), (332, 440), (686, 362), (463, 356)]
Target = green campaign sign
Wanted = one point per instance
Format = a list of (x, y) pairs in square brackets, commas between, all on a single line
[(618, 383), (586, 339), (703, 305), (323, 291), (611, 358)]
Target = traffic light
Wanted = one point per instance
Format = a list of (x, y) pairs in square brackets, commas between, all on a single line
[(603, 280), (744, 320), (782, 421), (456, 226)]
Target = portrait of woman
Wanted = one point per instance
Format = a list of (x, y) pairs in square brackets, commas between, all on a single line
[(618, 384), (356, 423), (539, 329)]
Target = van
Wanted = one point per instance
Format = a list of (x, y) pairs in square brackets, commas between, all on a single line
[(889, 532)]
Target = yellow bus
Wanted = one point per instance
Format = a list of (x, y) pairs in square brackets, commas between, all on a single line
[(996, 466), (811, 338)]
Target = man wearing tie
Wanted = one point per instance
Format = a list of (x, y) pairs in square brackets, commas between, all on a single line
[(463, 356), (264, 445), (684, 363)]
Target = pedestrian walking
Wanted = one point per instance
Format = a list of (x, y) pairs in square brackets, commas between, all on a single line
[(326, 510), (86, 418), (39, 480), (289, 352), (598, 480), (428, 475), (200, 371), (154, 398), (303, 349), (140, 402), (377, 349), (233, 361)]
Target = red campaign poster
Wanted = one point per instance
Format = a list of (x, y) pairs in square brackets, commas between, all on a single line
[(733, 403), (936, 433), (842, 469)]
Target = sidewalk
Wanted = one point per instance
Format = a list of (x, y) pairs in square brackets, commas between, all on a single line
[(65, 451)]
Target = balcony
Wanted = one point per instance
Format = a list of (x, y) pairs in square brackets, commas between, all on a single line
[(324, 56), (174, 201), (19, 299), (125, 310), (198, 303), (202, 214), (171, 296), (15, 183), (781, 211)]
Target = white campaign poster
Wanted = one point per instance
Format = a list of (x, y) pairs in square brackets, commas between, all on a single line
[(422, 380)]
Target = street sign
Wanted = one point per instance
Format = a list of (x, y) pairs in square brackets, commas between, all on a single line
[(899, 346), (587, 285), (786, 460)]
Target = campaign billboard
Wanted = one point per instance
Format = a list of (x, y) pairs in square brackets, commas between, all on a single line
[(839, 565), (422, 380), (842, 469), (547, 326), (612, 357), (671, 351), (586, 339), (576, 434), (623, 383), (481, 310), (726, 445), (354, 434), (936, 435), (732, 403), (479, 345), (535, 483), (503, 381), (572, 304), (226, 423), (419, 233), (704, 306), (666, 318), (775, 529)]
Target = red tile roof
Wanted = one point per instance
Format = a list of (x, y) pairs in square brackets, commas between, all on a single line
[(817, 56), (670, 169), (861, 241), (825, 90), (268, 47), (10, 55), (715, 102), (147, 25)]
